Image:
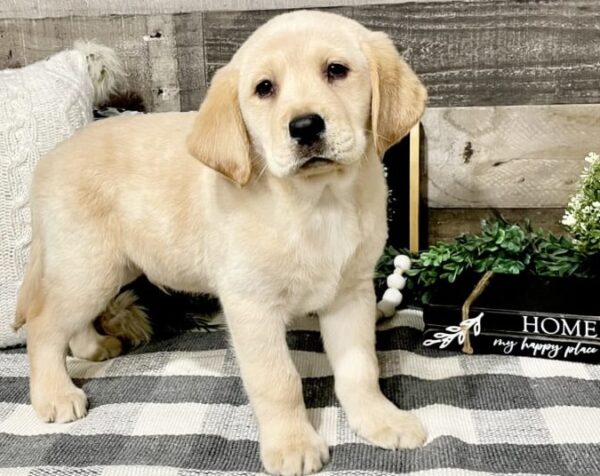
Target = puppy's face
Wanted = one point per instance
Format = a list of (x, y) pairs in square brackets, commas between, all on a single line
[(308, 93), (306, 100)]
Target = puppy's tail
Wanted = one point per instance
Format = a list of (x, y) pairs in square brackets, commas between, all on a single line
[(126, 319), (31, 294)]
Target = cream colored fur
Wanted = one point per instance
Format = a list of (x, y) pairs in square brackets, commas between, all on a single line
[(215, 202)]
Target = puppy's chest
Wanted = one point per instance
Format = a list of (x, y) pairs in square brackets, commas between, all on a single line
[(319, 250)]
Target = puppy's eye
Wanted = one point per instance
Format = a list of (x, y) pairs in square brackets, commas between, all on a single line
[(336, 71), (264, 88)]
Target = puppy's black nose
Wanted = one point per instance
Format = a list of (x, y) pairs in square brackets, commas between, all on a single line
[(307, 129)]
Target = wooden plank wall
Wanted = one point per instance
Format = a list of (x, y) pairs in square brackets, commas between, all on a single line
[(524, 161), (514, 86), (63, 8)]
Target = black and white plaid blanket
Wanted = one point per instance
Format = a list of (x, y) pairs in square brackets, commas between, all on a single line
[(177, 407)]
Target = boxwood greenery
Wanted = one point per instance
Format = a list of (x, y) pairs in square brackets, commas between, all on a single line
[(501, 246)]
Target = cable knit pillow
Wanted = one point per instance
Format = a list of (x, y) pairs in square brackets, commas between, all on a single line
[(40, 106)]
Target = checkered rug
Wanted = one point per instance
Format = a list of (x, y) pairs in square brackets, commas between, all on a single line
[(177, 407)]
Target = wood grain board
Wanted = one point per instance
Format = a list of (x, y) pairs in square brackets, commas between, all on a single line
[(445, 224), (191, 75), (507, 157), (163, 61), (476, 54), (62, 8), (498, 53)]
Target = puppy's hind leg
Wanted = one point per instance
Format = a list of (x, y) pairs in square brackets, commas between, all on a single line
[(73, 298), (53, 395)]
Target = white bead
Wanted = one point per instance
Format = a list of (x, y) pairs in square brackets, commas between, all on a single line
[(386, 308), (402, 262), (392, 296), (396, 281)]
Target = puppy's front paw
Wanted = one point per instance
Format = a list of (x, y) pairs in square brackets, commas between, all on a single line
[(62, 407), (293, 451), (386, 426)]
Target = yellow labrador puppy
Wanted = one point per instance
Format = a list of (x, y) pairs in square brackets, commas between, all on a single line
[(272, 196)]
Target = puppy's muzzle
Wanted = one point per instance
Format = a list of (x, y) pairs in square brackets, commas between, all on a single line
[(307, 130)]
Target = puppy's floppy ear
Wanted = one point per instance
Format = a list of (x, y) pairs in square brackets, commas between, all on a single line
[(219, 138), (398, 97)]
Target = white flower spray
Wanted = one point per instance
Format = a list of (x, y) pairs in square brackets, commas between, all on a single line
[(582, 216)]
